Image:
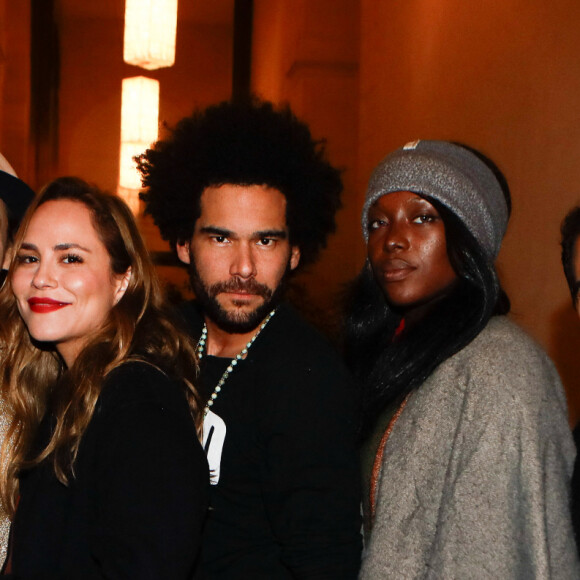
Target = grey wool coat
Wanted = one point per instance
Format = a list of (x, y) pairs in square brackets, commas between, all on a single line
[(476, 472)]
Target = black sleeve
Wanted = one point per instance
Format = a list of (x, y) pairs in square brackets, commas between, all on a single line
[(312, 481), (152, 487)]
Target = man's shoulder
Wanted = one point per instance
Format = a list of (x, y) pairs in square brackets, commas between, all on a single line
[(288, 346), (287, 330), (302, 374), (292, 331), (293, 346)]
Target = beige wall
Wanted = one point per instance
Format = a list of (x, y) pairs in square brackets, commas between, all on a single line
[(15, 85), (306, 53), (504, 77), (369, 75), (92, 70), (91, 73)]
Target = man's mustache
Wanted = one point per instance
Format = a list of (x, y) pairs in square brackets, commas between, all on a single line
[(236, 285)]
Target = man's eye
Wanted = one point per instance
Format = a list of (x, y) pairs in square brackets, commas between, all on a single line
[(220, 239), (267, 241)]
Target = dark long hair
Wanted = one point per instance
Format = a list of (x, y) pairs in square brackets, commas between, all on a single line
[(388, 369)]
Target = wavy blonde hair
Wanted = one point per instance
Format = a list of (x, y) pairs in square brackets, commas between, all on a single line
[(138, 328)]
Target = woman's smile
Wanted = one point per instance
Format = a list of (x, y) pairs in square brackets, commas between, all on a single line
[(45, 305)]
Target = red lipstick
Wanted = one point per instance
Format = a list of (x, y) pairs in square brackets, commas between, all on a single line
[(45, 305)]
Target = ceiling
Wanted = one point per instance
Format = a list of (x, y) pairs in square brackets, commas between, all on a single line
[(210, 12)]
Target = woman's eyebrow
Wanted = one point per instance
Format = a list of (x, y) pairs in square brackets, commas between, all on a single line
[(58, 247), (71, 245)]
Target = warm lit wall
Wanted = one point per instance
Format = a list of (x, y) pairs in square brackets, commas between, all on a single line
[(92, 70), (15, 85), (504, 77), (306, 53)]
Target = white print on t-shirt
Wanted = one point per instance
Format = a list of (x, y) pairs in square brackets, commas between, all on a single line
[(214, 435)]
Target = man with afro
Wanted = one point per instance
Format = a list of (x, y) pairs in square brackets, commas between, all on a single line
[(245, 196)]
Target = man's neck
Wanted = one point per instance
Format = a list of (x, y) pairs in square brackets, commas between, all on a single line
[(226, 344)]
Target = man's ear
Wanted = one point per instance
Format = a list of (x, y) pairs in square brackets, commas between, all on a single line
[(183, 252), (294, 257)]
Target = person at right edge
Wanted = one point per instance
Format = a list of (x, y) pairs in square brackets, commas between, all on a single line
[(245, 196), (468, 454), (570, 231)]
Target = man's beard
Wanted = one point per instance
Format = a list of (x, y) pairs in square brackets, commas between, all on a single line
[(236, 322)]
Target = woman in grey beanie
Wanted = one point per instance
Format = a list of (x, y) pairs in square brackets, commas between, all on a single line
[(467, 453)]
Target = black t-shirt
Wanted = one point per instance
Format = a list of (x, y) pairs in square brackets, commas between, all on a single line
[(285, 496), (136, 506)]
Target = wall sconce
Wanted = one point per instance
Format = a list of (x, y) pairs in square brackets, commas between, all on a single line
[(150, 27), (139, 128)]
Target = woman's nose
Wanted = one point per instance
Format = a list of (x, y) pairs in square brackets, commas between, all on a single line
[(397, 237), (44, 276)]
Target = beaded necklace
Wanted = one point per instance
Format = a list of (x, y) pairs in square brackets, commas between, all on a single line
[(201, 346)]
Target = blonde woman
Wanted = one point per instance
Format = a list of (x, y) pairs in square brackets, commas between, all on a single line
[(111, 479)]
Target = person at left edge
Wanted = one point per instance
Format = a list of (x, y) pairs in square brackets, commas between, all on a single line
[(112, 479), (15, 196)]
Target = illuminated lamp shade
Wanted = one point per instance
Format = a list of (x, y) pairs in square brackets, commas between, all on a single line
[(150, 27), (139, 129)]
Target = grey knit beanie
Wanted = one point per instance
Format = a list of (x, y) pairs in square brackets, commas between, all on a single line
[(452, 175)]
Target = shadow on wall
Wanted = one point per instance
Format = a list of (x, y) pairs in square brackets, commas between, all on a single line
[(327, 318), (566, 340)]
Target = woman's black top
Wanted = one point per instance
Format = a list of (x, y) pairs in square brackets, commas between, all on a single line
[(136, 505)]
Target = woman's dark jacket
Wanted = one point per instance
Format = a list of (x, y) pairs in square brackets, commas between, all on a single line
[(136, 504)]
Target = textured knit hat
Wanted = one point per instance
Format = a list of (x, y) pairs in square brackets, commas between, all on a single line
[(13, 192), (452, 175)]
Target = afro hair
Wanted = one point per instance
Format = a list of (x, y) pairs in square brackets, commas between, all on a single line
[(242, 143)]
